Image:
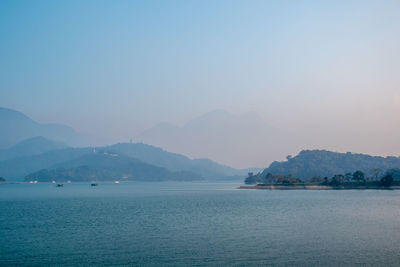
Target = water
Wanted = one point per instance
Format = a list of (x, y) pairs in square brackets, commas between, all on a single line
[(201, 224)]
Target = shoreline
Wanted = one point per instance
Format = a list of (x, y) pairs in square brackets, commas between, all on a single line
[(317, 187)]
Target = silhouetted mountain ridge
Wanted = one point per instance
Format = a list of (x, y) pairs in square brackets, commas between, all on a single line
[(108, 166), (17, 127), (175, 162)]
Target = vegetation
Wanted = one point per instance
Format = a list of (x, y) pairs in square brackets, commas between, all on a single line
[(313, 163), (359, 176), (2, 179), (387, 180), (337, 180), (271, 179)]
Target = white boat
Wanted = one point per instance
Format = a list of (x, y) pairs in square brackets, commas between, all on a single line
[(117, 182)]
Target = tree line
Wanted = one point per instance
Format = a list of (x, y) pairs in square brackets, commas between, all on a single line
[(377, 177)]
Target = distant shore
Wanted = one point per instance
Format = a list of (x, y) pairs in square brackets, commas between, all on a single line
[(317, 187)]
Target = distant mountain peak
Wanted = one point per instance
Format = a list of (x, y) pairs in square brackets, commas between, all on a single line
[(9, 116), (17, 127)]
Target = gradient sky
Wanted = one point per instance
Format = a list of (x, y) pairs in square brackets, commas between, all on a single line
[(329, 70)]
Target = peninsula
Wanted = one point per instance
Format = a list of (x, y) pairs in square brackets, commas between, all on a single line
[(319, 187), (325, 170)]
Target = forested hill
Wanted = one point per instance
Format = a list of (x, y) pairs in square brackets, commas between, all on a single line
[(311, 163), (103, 166)]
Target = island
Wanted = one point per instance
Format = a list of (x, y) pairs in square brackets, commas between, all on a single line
[(326, 170), (353, 181), (307, 186)]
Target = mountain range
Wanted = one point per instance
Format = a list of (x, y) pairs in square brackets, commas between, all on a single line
[(235, 140), (30, 150), (43, 152), (16, 127), (28, 147), (69, 158)]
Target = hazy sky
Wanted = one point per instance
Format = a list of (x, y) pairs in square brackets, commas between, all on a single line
[(115, 68)]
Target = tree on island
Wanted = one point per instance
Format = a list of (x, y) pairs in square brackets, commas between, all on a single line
[(387, 180), (348, 176), (395, 173), (316, 180), (359, 176), (376, 172), (337, 180), (288, 179)]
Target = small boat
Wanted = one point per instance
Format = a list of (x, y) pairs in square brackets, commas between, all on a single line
[(69, 182), (60, 185), (53, 182), (94, 184), (117, 182)]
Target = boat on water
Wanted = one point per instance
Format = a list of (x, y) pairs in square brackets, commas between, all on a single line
[(94, 184), (60, 185), (117, 182)]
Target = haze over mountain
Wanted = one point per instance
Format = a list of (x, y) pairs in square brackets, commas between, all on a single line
[(175, 162), (32, 146), (16, 127), (326, 75), (239, 140), (45, 156), (17, 168)]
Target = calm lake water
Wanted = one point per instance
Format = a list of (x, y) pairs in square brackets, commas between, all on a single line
[(202, 224)]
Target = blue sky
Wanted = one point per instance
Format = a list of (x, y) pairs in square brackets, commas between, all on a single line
[(119, 67)]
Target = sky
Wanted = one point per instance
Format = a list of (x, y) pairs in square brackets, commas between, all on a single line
[(326, 70)]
